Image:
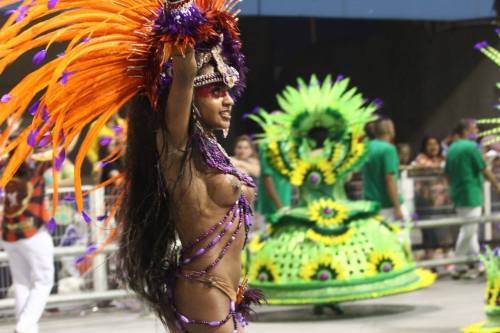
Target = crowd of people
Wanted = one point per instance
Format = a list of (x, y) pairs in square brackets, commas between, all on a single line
[(464, 164)]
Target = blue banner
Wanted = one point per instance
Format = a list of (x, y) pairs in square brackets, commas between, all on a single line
[(373, 9)]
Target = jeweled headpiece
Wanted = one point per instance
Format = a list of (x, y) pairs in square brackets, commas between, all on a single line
[(115, 50)]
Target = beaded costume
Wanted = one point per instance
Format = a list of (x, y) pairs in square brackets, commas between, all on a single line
[(117, 49), (327, 249)]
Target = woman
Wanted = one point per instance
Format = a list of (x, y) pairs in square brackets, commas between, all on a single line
[(186, 208), (245, 156), (433, 194), (430, 154), (193, 192)]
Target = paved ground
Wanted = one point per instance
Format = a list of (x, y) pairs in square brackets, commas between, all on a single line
[(443, 308)]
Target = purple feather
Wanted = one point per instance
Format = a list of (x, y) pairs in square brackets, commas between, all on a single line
[(85, 40), (34, 108), (86, 217), (65, 77), (102, 217), (481, 45), (22, 12), (80, 259), (60, 160), (250, 297), (340, 77), (117, 130), (103, 164), (6, 98), (179, 23), (61, 55), (32, 137), (105, 140), (45, 114), (91, 249), (9, 12), (51, 225), (39, 57), (378, 102), (69, 198), (52, 4), (44, 140)]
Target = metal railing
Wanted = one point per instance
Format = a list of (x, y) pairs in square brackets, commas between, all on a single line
[(98, 283)]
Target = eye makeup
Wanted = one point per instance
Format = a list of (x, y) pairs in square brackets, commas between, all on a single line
[(215, 90)]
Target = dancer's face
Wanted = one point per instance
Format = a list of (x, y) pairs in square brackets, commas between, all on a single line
[(215, 105)]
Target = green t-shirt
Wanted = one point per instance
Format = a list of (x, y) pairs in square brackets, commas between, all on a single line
[(383, 159), (464, 167), (265, 205)]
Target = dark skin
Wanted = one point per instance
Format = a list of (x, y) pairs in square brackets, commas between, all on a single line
[(203, 196)]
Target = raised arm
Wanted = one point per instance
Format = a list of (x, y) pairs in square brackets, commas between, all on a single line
[(180, 98)]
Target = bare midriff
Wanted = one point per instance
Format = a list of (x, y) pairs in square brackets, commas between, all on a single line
[(212, 221)]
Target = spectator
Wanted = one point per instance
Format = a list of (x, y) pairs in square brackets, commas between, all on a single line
[(404, 153), (465, 167), (28, 244), (431, 155), (432, 194), (380, 172), (274, 190), (245, 156)]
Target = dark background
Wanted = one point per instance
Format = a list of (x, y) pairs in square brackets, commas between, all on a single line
[(427, 73)]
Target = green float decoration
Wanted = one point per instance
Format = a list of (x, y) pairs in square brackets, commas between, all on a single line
[(328, 249)]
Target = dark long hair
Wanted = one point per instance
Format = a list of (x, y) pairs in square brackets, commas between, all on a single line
[(148, 252), (425, 141)]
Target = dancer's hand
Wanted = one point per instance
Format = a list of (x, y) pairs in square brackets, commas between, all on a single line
[(184, 64)]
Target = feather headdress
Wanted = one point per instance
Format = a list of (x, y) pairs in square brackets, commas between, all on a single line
[(115, 49)]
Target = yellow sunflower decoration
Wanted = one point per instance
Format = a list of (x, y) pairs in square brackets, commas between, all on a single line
[(327, 213), (383, 262), (299, 172), (264, 270), (323, 269), (493, 293), (330, 239), (256, 244)]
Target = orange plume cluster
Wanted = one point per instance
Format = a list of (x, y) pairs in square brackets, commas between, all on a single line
[(106, 62)]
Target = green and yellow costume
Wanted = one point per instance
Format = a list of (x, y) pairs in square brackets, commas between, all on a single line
[(328, 249)]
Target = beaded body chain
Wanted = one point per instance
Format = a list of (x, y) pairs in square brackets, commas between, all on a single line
[(240, 213)]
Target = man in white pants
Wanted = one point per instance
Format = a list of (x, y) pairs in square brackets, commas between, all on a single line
[(381, 172), (28, 245), (466, 169)]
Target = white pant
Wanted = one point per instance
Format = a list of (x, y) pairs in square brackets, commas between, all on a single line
[(468, 238), (31, 264), (388, 213)]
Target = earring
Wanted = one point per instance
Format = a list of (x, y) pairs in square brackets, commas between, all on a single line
[(225, 133)]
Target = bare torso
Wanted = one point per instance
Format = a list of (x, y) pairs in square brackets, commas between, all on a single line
[(201, 197)]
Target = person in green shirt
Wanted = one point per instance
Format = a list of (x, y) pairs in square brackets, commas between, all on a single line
[(380, 172), (274, 190), (466, 169)]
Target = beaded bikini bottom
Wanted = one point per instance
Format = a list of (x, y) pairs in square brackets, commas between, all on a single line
[(239, 300)]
